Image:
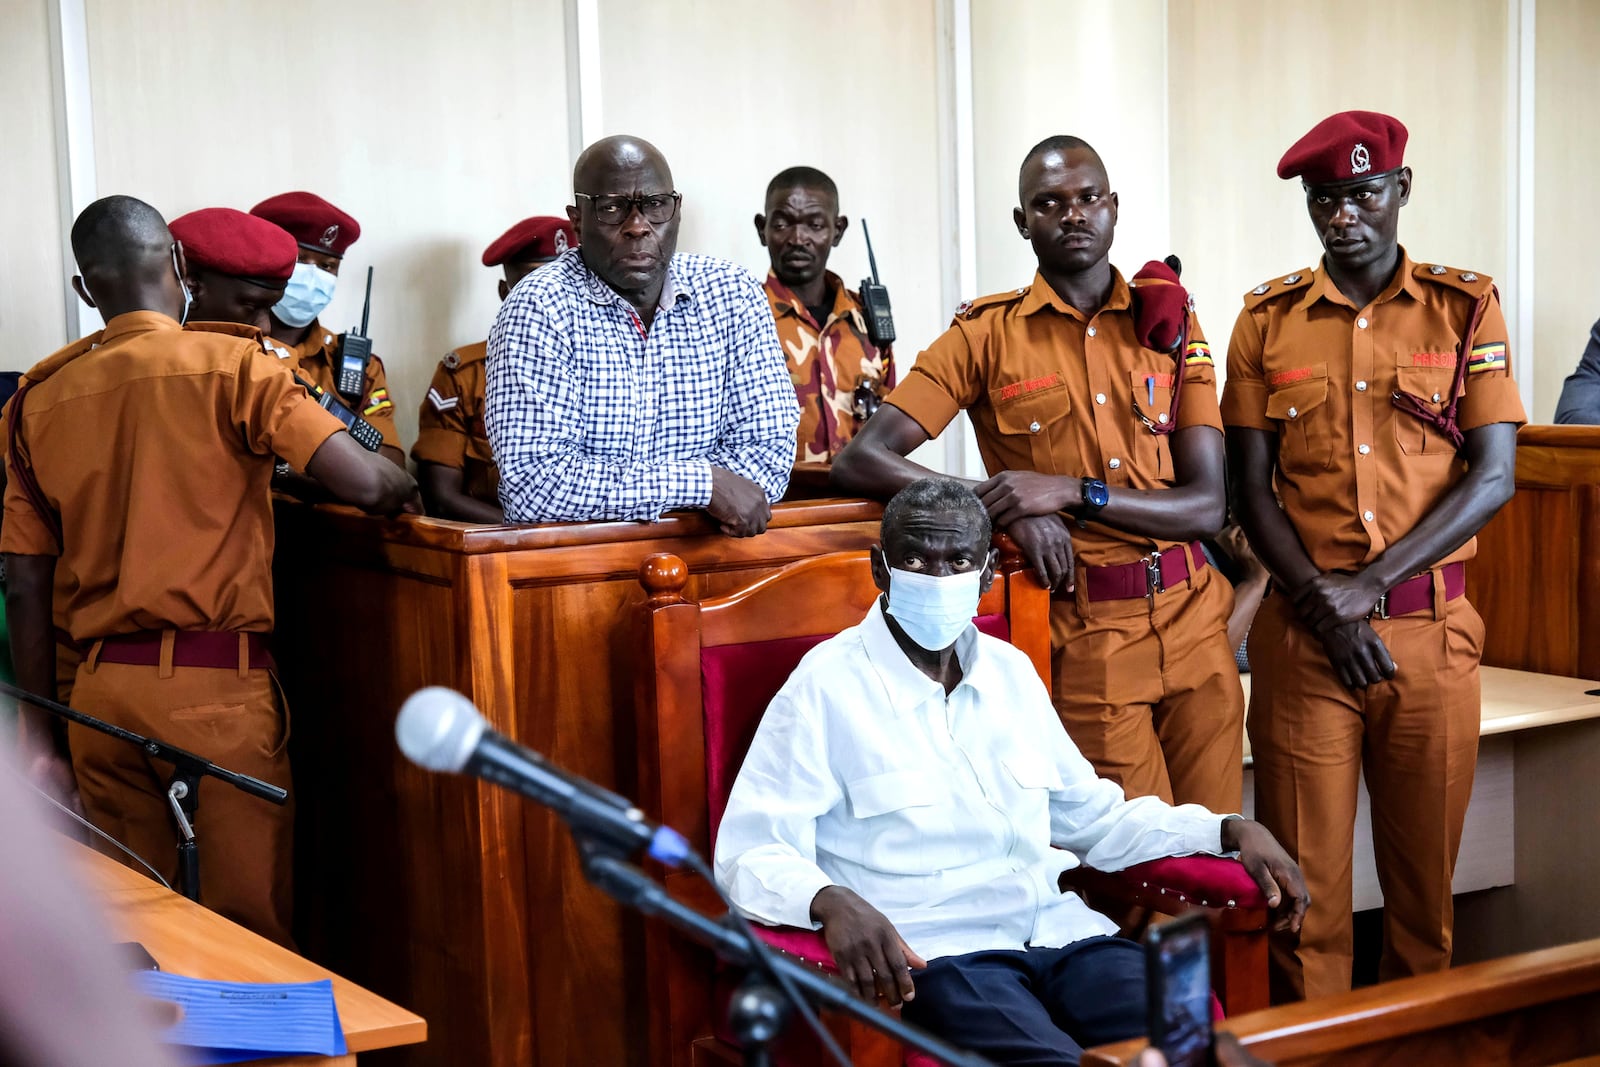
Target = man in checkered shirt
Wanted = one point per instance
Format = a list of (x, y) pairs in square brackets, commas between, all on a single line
[(625, 380)]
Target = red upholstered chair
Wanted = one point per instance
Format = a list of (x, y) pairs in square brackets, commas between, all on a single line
[(718, 663)]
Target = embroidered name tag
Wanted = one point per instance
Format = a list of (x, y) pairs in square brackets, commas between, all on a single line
[(1162, 381), (1446, 360), (1289, 377), (1032, 385)]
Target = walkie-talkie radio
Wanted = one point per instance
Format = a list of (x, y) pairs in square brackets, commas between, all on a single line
[(355, 350), (367, 435), (875, 299)]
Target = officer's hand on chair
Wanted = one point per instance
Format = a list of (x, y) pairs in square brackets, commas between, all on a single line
[(1333, 599), (1013, 495), (1358, 654), (1047, 546), (1278, 876), (866, 947)]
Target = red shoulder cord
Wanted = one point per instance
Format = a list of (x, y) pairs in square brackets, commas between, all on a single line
[(1444, 420), (24, 467)]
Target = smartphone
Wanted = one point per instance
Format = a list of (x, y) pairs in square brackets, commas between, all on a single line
[(1178, 990)]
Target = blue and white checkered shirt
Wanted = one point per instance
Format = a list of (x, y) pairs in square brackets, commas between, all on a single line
[(591, 418)]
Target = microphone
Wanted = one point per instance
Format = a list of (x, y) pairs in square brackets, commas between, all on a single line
[(438, 729)]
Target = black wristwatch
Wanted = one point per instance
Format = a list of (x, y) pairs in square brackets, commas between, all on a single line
[(1095, 497)]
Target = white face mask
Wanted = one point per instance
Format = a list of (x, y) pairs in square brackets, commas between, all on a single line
[(308, 292), (933, 611)]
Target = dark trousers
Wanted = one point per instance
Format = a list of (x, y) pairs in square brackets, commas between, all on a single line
[(1042, 1006)]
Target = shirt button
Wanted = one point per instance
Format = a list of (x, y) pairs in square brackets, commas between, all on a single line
[(1435, 398), (1361, 387), (1091, 331), (1114, 464), (1361, 323), (1367, 515), (1099, 398), (1033, 427), (1364, 449), (1293, 412)]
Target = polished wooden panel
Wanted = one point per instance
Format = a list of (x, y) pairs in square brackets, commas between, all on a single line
[(189, 940), (1529, 1010), (1536, 579), (454, 897)]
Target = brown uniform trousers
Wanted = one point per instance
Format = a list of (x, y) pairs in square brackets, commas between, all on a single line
[(1146, 687), (828, 362), (166, 525), (313, 360), (236, 720), (1356, 475), (450, 430)]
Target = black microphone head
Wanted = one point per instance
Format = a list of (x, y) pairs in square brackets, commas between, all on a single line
[(438, 729)]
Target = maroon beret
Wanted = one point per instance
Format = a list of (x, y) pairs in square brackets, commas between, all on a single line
[(231, 242), (312, 221), (1346, 147), (541, 237)]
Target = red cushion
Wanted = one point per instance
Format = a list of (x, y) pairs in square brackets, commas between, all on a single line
[(737, 682), (808, 945), (1210, 881)]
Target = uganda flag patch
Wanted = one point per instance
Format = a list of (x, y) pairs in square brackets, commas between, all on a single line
[(1198, 353), (1487, 357), (378, 401)]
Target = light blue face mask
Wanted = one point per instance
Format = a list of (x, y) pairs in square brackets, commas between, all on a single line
[(308, 292), (932, 610)]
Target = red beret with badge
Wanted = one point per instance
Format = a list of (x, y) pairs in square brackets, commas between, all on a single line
[(1348, 147), (312, 221), (541, 238), (231, 242)]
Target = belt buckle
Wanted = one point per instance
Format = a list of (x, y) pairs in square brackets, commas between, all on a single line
[(1380, 610), (1152, 575)]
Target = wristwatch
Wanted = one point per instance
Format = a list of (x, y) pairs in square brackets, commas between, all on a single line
[(1095, 497)]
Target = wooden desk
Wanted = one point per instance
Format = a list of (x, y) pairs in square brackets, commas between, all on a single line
[(186, 939), (454, 897), (1530, 1010)]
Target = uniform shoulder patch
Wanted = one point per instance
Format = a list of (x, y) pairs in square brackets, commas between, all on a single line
[(460, 357), (1470, 282), (970, 309), (1273, 288)]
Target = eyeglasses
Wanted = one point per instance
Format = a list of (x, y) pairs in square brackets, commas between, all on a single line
[(614, 210)]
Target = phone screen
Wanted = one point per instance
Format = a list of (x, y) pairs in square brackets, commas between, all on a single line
[(1178, 961)]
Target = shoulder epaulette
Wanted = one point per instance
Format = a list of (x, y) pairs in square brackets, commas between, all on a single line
[(61, 357), (230, 329), (1469, 282), (969, 309), (1276, 287)]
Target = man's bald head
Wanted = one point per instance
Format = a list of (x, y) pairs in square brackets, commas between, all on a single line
[(125, 258), (1059, 145), (598, 163)]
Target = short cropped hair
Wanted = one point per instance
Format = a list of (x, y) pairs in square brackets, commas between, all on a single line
[(934, 494), (804, 178)]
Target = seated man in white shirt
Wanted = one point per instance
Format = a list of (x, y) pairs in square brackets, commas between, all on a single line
[(911, 790)]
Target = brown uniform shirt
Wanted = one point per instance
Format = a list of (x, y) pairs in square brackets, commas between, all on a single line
[(450, 423), (155, 446), (1355, 473), (314, 359), (1050, 389), (827, 361)]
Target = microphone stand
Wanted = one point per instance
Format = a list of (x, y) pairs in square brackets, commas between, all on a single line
[(183, 787), (757, 1012)]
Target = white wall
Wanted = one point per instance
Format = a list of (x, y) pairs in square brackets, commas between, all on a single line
[(438, 126)]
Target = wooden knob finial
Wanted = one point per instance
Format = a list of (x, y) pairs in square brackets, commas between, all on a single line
[(664, 575)]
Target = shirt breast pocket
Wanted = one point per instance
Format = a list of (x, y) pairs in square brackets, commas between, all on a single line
[(885, 794), (1152, 400), (1300, 405), (1431, 386), (1035, 424)]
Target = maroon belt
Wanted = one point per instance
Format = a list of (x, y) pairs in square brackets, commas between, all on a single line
[(1144, 577), (190, 648), (1416, 594)]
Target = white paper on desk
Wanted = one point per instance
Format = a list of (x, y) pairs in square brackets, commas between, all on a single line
[(230, 1022)]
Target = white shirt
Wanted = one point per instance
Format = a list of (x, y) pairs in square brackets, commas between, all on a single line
[(939, 811)]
